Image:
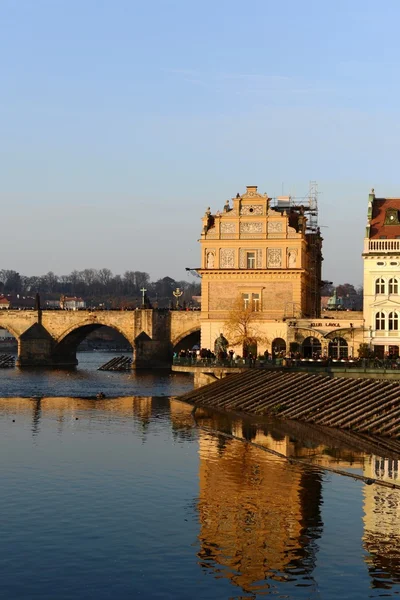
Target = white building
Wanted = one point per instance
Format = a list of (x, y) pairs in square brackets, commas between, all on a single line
[(382, 276), (72, 303)]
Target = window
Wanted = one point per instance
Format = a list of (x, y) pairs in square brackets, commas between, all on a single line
[(252, 300), (246, 300), (251, 260), (379, 286), (393, 286), (256, 302), (393, 321), (380, 321)]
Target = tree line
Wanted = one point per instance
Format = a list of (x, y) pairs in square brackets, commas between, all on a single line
[(98, 286)]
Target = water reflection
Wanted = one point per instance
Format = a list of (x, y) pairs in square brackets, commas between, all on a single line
[(257, 520), (260, 519), (382, 522)]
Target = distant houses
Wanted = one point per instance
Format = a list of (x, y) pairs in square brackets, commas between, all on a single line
[(4, 302), (18, 302), (72, 303)]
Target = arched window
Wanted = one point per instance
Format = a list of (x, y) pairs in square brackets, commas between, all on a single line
[(278, 345), (393, 321), (380, 321), (379, 286), (393, 286), (338, 348), (311, 346)]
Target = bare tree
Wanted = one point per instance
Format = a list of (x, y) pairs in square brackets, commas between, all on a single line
[(241, 328), (105, 276), (51, 281), (130, 281)]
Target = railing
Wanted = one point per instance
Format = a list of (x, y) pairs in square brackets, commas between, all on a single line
[(383, 246), (212, 362), (289, 363)]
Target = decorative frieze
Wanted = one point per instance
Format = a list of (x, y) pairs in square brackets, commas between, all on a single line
[(275, 227), (250, 236), (254, 209), (242, 258), (274, 258), (259, 258), (227, 227), (227, 258), (251, 227)]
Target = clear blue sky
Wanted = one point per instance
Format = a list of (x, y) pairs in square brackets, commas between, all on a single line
[(121, 121)]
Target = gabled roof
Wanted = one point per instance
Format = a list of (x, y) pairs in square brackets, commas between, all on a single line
[(377, 224)]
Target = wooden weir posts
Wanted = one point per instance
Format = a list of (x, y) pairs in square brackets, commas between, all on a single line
[(7, 361), (368, 406), (119, 363)]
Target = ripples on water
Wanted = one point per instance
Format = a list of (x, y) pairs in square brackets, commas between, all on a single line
[(128, 498)]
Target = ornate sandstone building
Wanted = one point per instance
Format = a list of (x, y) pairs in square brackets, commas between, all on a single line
[(266, 253), (382, 276)]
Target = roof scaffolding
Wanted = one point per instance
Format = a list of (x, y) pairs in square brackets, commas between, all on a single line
[(309, 203)]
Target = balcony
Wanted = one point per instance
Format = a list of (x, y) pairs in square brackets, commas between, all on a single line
[(382, 246)]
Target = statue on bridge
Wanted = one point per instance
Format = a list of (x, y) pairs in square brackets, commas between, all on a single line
[(220, 345)]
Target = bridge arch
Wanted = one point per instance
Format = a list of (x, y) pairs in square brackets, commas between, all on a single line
[(67, 344), (89, 326), (10, 329), (185, 334)]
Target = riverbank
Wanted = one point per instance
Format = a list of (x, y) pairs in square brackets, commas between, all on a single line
[(370, 406)]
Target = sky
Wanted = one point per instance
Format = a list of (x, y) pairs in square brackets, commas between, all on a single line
[(121, 121)]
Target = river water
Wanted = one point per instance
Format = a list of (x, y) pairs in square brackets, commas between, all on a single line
[(134, 497)]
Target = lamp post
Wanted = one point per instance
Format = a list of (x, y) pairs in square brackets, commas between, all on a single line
[(177, 293)]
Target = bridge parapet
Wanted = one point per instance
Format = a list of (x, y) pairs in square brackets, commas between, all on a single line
[(51, 338)]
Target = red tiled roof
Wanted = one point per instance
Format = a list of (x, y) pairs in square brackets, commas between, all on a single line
[(379, 208)]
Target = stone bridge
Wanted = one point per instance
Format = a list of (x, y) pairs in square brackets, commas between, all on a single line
[(50, 338)]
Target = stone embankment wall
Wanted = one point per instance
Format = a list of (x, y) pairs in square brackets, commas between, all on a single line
[(369, 406)]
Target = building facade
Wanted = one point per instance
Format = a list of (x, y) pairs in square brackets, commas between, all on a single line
[(266, 254), (72, 303), (382, 276)]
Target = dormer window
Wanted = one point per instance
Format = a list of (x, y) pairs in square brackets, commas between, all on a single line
[(392, 217)]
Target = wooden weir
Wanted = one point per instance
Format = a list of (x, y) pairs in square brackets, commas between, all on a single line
[(119, 363), (369, 406), (7, 361)]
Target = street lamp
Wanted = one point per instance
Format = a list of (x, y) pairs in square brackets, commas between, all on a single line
[(177, 293)]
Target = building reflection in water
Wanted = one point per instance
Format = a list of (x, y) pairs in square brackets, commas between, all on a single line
[(259, 516), (382, 522)]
